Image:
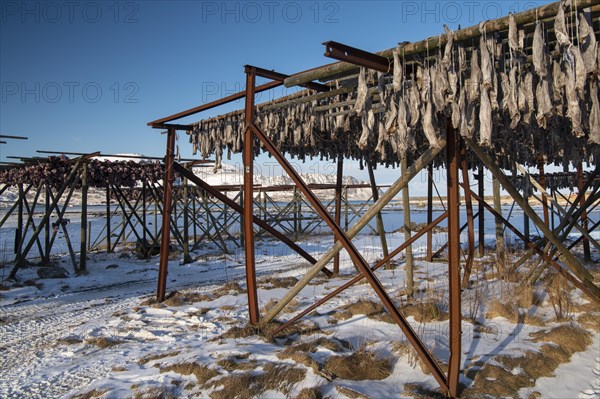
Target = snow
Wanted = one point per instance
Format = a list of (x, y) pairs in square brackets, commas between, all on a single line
[(39, 362)]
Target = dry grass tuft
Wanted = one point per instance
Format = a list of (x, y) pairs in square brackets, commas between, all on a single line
[(118, 369), (528, 297), (276, 377), (364, 307), (590, 321), (266, 330), (94, 393), (280, 282), (237, 362), (69, 341), (156, 356), (511, 312), (202, 373), (495, 381), (185, 298), (310, 393), (568, 337), (559, 293), (360, 365), (351, 393), (418, 391), (424, 312), (155, 393), (103, 342), (405, 350)]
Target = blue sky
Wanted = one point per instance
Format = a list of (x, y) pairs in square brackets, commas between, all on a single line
[(88, 75)]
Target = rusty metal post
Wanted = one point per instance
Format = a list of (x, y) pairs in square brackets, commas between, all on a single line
[(248, 157), (480, 210), (379, 219), (543, 184), (338, 206), (584, 218), (166, 216), (452, 162), (429, 256), (84, 224), (144, 210), (186, 223)]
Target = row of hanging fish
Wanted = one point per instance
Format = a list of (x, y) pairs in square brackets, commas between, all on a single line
[(553, 181), (545, 100)]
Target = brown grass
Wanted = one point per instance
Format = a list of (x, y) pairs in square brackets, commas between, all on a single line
[(310, 393), (69, 341), (277, 377), (266, 330), (424, 312), (511, 312), (559, 293), (118, 369), (94, 393), (590, 321), (155, 393), (186, 298), (351, 393), (155, 356), (505, 381), (405, 350), (103, 342), (568, 337), (280, 282), (237, 362), (360, 365), (202, 373), (418, 391)]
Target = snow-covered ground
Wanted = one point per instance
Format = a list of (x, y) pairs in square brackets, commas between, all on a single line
[(100, 335)]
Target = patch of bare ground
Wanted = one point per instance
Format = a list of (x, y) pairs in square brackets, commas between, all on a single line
[(275, 377), (94, 393), (155, 356), (310, 393), (351, 393), (103, 342), (363, 364), (201, 372), (515, 373)]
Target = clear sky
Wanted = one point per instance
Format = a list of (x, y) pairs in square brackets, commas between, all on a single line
[(87, 76)]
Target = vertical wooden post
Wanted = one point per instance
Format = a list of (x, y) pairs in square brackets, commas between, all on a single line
[(19, 233), (338, 207), (346, 206), (409, 267), (452, 157), (166, 217), (525, 217), (469, 211), (84, 224), (186, 223), (108, 232), (429, 255), (587, 256), (481, 209), (543, 184), (248, 158), (500, 251), (144, 210), (194, 217), (47, 226), (378, 218)]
